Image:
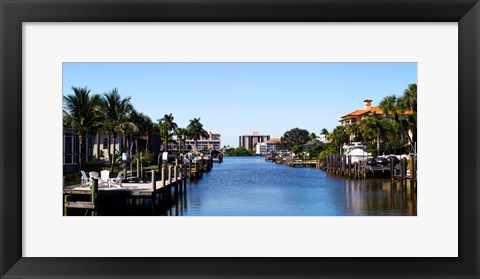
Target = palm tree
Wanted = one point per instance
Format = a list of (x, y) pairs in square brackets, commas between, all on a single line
[(338, 137), (81, 112), (97, 129), (410, 97), (195, 130), (392, 107), (180, 133), (371, 129), (390, 130), (135, 129), (410, 102), (148, 128), (353, 131), (324, 132), (116, 117), (167, 126)]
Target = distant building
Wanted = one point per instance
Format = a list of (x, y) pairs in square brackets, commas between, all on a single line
[(261, 148), (213, 142), (272, 144), (249, 141)]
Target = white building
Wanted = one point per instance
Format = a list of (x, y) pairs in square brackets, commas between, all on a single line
[(249, 141), (261, 148)]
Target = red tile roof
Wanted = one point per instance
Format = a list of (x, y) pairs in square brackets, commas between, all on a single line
[(274, 140), (358, 112), (375, 110)]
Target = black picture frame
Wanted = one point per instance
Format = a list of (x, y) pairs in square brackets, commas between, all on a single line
[(13, 13)]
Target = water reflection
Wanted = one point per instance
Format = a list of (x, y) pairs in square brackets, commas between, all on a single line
[(379, 197)]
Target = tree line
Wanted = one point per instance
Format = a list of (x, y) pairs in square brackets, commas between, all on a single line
[(92, 114)]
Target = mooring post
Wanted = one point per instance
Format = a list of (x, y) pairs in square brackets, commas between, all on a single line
[(162, 170), (339, 164), (364, 169), (330, 163), (154, 191), (349, 167), (392, 171), (94, 194), (175, 184), (190, 168), (180, 179), (342, 162), (139, 175), (355, 170), (164, 184), (404, 171), (175, 174), (414, 176), (65, 200), (335, 164), (170, 177), (410, 169), (184, 174)]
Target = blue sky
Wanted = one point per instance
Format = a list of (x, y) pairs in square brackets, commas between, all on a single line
[(238, 98)]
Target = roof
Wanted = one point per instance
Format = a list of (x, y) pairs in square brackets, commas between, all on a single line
[(358, 112), (378, 111), (313, 142), (274, 140), (374, 110)]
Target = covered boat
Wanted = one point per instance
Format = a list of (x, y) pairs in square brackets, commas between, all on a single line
[(358, 154)]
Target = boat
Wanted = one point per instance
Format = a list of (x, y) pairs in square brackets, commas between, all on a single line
[(357, 152)]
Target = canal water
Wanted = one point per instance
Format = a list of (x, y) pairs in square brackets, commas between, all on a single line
[(249, 186)]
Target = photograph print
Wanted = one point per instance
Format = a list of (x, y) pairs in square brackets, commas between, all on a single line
[(239, 139)]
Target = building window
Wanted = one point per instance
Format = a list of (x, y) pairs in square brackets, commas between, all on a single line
[(105, 143)]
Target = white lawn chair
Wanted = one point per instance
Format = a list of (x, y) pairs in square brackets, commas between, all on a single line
[(93, 174), (117, 182), (85, 180), (104, 179)]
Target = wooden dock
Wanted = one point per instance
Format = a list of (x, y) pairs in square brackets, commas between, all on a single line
[(403, 171), (161, 190), (301, 163)]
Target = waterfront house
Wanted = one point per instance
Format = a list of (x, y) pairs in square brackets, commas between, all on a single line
[(369, 110)]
